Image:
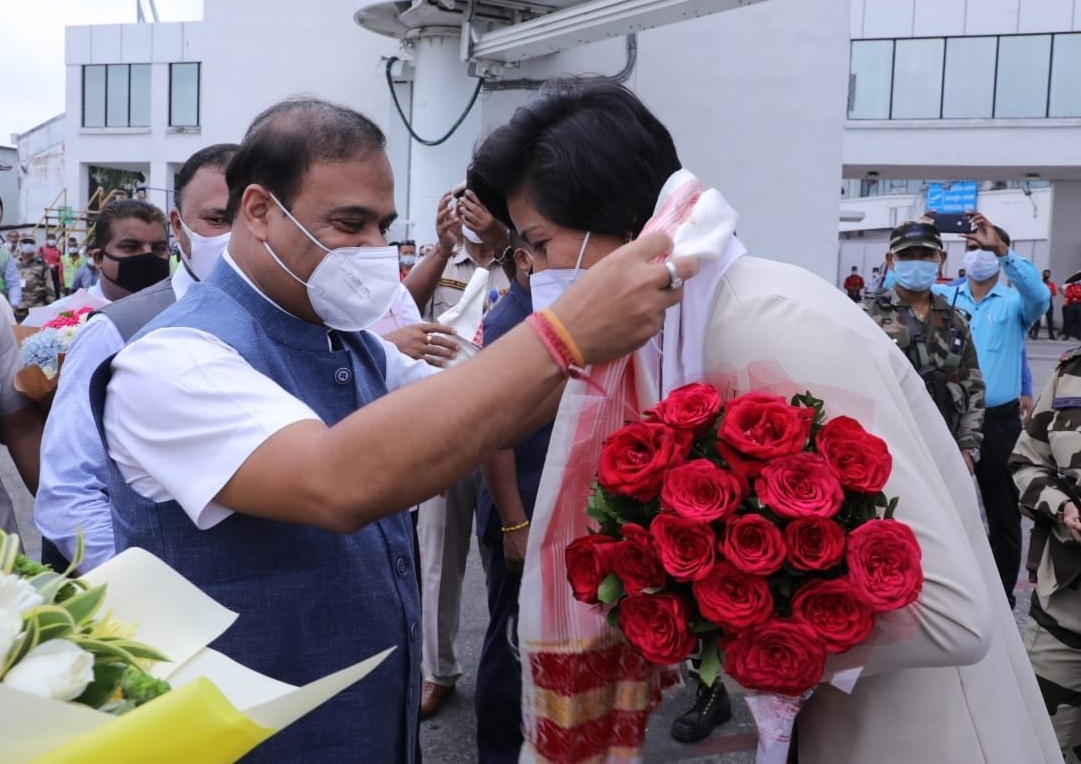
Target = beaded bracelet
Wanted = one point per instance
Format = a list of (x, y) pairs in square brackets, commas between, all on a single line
[(515, 527)]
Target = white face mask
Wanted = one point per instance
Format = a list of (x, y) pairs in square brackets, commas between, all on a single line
[(27, 248), (980, 265), (353, 287), (546, 287), (205, 252), (51, 242)]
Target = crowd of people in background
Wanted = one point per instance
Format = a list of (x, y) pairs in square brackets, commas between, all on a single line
[(245, 414)]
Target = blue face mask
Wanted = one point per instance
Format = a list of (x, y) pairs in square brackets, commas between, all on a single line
[(915, 275)]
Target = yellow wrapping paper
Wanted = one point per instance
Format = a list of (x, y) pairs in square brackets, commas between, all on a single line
[(217, 711), (194, 723)]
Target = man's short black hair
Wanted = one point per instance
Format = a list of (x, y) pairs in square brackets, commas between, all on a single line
[(216, 156), (119, 210), (284, 141), (588, 154)]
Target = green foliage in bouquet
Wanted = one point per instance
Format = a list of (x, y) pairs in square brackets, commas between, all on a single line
[(101, 666), (749, 530)]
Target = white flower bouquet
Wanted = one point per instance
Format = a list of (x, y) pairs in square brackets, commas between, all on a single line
[(79, 689)]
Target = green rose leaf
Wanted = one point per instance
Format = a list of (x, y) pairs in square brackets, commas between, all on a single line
[(610, 590), (711, 663)]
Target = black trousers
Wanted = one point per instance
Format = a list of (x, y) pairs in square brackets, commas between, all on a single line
[(1049, 317), (1071, 320), (1001, 429), (499, 672)]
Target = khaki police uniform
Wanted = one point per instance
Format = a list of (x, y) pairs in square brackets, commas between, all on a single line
[(1046, 465), (940, 347), (458, 271), (445, 523)]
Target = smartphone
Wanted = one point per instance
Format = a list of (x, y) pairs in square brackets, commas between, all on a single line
[(950, 222)]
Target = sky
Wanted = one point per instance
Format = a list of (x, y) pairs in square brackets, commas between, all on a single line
[(32, 51)]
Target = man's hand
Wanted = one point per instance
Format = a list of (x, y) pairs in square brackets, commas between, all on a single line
[(619, 303), (514, 544), (422, 341), (1027, 404), (985, 236), (475, 215), (1072, 520), (448, 225)]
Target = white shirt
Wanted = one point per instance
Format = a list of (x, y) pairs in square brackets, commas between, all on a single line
[(185, 410)]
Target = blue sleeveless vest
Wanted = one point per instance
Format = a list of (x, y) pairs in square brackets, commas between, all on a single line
[(310, 601)]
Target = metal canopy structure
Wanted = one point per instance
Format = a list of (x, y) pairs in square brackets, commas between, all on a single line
[(508, 31)]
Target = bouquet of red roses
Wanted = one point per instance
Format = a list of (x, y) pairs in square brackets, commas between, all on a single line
[(748, 528)]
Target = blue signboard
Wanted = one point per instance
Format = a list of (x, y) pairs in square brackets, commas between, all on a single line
[(952, 197)]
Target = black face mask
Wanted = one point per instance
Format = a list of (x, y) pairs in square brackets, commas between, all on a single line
[(138, 271)]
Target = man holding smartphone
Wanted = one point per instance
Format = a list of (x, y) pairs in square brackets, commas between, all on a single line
[(1000, 318)]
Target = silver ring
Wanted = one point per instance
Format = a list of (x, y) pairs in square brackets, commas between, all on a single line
[(676, 282), (429, 339)]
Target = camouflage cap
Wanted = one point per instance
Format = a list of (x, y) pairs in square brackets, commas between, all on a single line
[(915, 233)]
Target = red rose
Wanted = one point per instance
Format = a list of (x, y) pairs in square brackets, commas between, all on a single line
[(693, 407), (861, 460), (656, 624), (783, 655), (635, 532), (589, 561), (883, 559), (758, 427), (733, 599), (634, 458), (753, 544), (687, 548), (636, 564), (800, 485), (833, 609), (700, 490), (814, 543)]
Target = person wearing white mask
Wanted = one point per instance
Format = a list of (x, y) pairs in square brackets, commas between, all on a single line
[(469, 239), (264, 444), (1000, 318), (73, 492)]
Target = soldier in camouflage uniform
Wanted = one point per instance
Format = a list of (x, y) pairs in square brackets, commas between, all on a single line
[(37, 282), (1046, 465), (933, 334)]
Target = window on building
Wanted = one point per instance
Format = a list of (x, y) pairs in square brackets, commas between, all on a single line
[(1021, 81), (869, 80), (184, 95), (116, 95), (1009, 76), (969, 82), (1065, 82), (93, 96), (917, 79)]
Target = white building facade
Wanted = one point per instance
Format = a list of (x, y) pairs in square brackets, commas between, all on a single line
[(965, 90), (753, 96)]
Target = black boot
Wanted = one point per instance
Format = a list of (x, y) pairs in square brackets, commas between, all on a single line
[(712, 707)]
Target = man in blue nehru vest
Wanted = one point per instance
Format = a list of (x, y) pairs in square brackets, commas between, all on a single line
[(1000, 318), (247, 447)]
